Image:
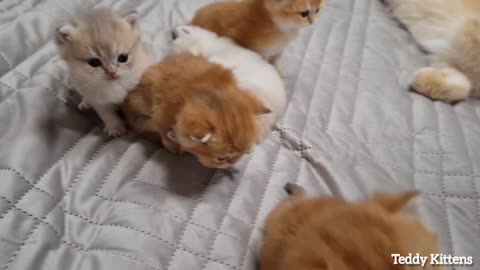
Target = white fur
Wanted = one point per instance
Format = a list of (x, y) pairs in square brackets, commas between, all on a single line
[(442, 28), (456, 78), (433, 23), (252, 72), (104, 35)]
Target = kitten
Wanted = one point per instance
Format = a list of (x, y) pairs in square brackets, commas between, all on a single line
[(105, 58), (252, 72), (329, 233), (450, 30), (264, 26), (200, 103)]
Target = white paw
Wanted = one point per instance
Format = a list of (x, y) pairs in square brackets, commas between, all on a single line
[(84, 105), (115, 130), (445, 84)]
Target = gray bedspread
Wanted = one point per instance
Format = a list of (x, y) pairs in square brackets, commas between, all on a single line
[(71, 198)]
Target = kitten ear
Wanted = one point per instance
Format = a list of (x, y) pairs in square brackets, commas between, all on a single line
[(261, 109), (258, 107), (203, 139), (394, 202), (172, 136), (201, 131), (132, 19), (65, 33)]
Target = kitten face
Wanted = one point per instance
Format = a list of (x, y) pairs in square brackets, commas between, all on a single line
[(219, 131), (293, 14), (100, 45)]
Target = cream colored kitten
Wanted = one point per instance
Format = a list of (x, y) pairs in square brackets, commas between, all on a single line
[(106, 58), (450, 30)]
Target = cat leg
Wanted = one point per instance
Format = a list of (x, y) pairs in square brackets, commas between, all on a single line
[(84, 105), (114, 126), (442, 83), (170, 144)]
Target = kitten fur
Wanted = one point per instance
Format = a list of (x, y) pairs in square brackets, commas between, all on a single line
[(201, 104), (450, 30), (329, 233), (103, 35), (264, 26), (252, 72)]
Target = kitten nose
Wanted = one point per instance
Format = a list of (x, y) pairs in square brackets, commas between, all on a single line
[(111, 73)]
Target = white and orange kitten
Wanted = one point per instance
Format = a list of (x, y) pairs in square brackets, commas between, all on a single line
[(253, 74), (189, 104), (450, 30), (263, 26), (105, 58)]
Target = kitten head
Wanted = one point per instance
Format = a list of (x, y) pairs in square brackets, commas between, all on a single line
[(100, 45), (192, 39), (219, 127), (293, 14)]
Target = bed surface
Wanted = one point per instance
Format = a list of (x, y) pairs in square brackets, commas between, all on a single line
[(70, 198)]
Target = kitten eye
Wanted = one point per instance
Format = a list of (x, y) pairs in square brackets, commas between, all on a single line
[(305, 13), (94, 62), (122, 58), (222, 159), (317, 10)]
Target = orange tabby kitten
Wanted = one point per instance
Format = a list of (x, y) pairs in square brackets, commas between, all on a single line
[(329, 233), (187, 103), (264, 26)]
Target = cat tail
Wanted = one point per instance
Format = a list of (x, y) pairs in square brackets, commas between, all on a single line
[(294, 189), (394, 202)]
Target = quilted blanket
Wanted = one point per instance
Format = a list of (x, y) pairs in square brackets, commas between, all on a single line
[(71, 198)]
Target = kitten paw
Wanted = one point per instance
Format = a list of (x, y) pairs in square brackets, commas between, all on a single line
[(84, 106), (173, 147), (115, 130), (171, 144), (445, 84)]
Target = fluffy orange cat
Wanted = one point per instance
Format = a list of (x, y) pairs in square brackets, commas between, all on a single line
[(189, 104), (329, 233), (264, 26)]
